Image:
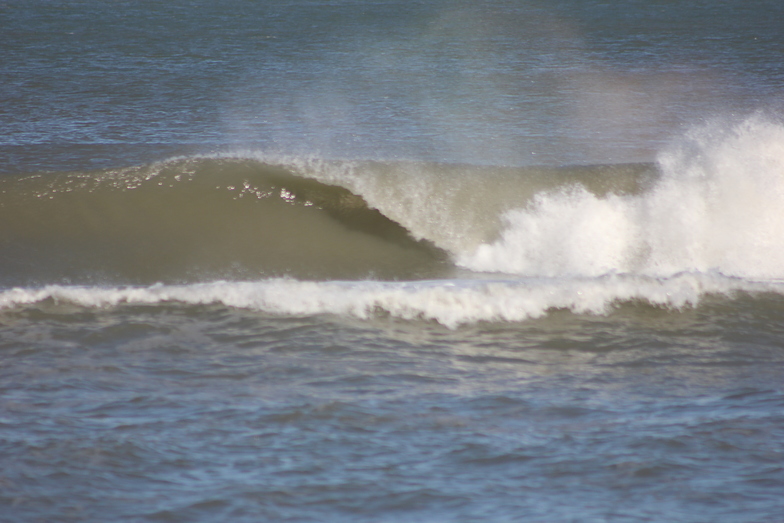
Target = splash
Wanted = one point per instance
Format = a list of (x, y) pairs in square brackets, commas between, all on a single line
[(716, 207)]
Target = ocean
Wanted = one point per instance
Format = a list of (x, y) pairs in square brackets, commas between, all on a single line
[(391, 261)]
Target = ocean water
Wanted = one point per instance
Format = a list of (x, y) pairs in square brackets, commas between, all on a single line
[(421, 261)]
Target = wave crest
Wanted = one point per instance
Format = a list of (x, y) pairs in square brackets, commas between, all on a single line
[(716, 206)]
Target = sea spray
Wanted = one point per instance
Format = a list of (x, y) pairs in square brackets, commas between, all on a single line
[(715, 207)]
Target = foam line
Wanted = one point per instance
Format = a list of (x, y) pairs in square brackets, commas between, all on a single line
[(449, 302)]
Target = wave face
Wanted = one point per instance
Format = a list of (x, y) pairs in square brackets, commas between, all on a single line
[(493, 243), (198, 218), (246, 216)]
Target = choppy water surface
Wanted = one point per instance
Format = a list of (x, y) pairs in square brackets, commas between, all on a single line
[(383, 261), (212, 413)]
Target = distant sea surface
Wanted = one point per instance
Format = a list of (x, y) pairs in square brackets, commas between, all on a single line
[(421, 261)]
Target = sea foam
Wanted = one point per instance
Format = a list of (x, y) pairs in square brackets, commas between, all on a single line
[(449, 302)]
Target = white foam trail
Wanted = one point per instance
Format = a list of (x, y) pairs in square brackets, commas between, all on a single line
[(717, 207), (449, 302)]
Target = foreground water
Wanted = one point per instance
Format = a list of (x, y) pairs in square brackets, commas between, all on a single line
[(383, 261), (175, 412)]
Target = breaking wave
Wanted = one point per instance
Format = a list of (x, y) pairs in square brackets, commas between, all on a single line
[(244, 216), (451, 243), (198, 218), (716, 206)]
